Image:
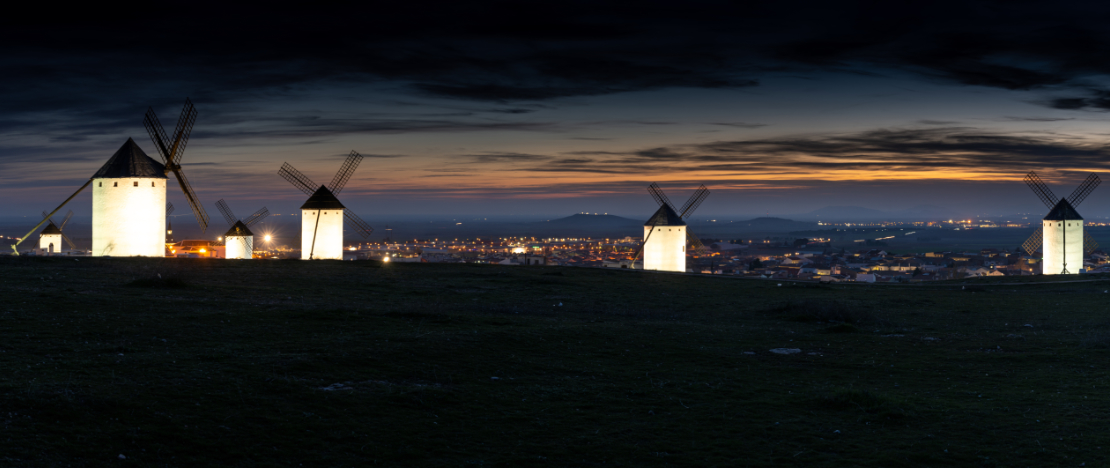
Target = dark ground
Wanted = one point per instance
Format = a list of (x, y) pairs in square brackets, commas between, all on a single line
[(176, 362)]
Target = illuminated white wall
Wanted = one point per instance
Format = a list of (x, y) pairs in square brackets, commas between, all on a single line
[(51, 242), (239, 246), (1062, 238), (329, 234), (129, 217), (665, 250)]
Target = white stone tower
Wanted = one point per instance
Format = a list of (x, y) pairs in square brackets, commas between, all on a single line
[(1063, 240), (665, 241), (239, 242), (50, 240), (129, 200), (322, 226)]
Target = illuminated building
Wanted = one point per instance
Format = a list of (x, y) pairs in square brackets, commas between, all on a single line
[(129, 203), (1063, 240), (665, 241), (50, 240), (239, 242), (322, 226)]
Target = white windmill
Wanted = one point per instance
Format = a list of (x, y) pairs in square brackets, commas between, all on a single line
[(322, 215), (129, 193), (1061, 233), (666, 233), (239, 240), (50, 239)]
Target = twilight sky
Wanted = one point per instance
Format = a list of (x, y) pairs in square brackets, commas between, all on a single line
[(551, 109)]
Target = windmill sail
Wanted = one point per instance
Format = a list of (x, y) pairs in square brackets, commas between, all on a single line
[(171, 151)]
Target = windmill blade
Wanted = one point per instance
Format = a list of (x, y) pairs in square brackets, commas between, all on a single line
[(659, 196), (1038, 186), (696, 246), (362, 228), (194, 202), (694, 202), (46, 217), (72, 246), (345, 171), (1089, 244), (169, 209), (247, 247), (65, 220), (1034, 241), (298, 180), (1083, 190), (226, 211), (182, 132), (157, 134), (257, 216)]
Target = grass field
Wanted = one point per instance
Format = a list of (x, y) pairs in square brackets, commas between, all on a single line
[(285, 363)]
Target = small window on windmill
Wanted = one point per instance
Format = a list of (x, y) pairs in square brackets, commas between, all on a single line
[(152, 184), (100, 184), (115, 184), (135, 183)]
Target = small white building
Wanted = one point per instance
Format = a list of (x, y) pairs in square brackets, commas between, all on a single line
[(665, 241), (1063, 240), (322, 227), (239, 242), (129, 205), (50, 240)]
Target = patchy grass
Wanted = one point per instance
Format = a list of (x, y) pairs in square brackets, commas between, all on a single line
[(821, 310), (842, 328), (273, 363), (865, 401)]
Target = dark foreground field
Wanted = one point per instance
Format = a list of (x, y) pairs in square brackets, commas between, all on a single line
[(284, 363)]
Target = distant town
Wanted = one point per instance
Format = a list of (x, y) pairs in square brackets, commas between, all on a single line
[(830, 252)]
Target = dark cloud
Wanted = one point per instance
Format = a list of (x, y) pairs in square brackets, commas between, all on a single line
[(1036, 119), (1096, 100), (878, 154), (497, 52), (739, 124), (497, 157)]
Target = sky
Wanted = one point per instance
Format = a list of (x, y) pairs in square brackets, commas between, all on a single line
[(553, 108)]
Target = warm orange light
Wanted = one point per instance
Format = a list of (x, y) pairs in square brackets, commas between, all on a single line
[(203, 251)]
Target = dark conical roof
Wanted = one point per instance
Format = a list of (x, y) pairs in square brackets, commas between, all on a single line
[(51, 229), (239, 230), (1062, 211), (665, 216), (322, 200), (131, 161)]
